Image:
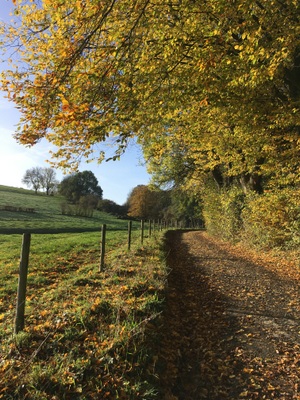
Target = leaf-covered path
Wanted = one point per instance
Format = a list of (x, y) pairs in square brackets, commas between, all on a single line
[(231, 326)]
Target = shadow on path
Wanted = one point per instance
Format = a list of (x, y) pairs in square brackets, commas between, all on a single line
[(230, 328)]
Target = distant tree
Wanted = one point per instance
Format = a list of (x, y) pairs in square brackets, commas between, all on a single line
[(109, 206), (138, 202), (38, 177), (185, 207), (145, 202), (84, 207), (89, 201), (48, 180), (33, 178), (80, 184)]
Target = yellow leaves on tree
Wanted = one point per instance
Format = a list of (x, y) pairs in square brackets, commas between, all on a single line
[(210, 76)]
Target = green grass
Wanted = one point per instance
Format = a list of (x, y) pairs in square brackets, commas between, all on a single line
[(88, 334), (47, 216)]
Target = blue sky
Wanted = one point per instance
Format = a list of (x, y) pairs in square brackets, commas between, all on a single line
[(116, 178)]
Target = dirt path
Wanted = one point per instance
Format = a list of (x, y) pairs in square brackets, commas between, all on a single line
[(231, 327)]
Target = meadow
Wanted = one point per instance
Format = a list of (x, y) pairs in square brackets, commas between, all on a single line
[(88, 334), (47, 215)]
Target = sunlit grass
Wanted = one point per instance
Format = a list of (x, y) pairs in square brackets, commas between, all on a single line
[(87, 334), (47, 215)]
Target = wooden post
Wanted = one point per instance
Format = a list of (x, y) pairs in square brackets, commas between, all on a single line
[(129, 233), (102, 255), (142, 231), (23, 271)]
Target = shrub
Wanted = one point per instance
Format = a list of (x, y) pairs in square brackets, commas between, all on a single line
[(266, 220), (273, 219), (222, 211), (82, 209)]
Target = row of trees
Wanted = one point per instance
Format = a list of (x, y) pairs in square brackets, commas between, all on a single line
[(41, 178), (82, 190), (210, 89), (147, 202), (72, 186)]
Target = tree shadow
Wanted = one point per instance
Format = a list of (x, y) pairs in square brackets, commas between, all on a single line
[(213, 305)]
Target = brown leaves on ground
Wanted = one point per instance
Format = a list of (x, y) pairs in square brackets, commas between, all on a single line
[(86, 333), (231, 325)]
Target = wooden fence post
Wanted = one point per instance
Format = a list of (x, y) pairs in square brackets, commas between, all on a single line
[(129, 233), (102, 255), (23, 271), (142, 231)]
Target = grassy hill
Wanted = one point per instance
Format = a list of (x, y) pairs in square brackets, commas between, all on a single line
[(47, 215), (88, 334)]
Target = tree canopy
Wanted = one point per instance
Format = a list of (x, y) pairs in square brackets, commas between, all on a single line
[(111, 207), (146, 203), (33, 178), (218, 80), (49, 181), (38, 177), (79, 185), (211, 89)]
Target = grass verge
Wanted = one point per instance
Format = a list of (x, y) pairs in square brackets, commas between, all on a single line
[(88, 335)]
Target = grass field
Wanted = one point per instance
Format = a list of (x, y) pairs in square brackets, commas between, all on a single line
[(48, 215), (88, 335)]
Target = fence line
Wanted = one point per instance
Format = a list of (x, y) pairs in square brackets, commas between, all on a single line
[(23, 271), (24, 261)]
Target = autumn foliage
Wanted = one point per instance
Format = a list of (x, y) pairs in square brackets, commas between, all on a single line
[(211, 90), (147, 203)]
